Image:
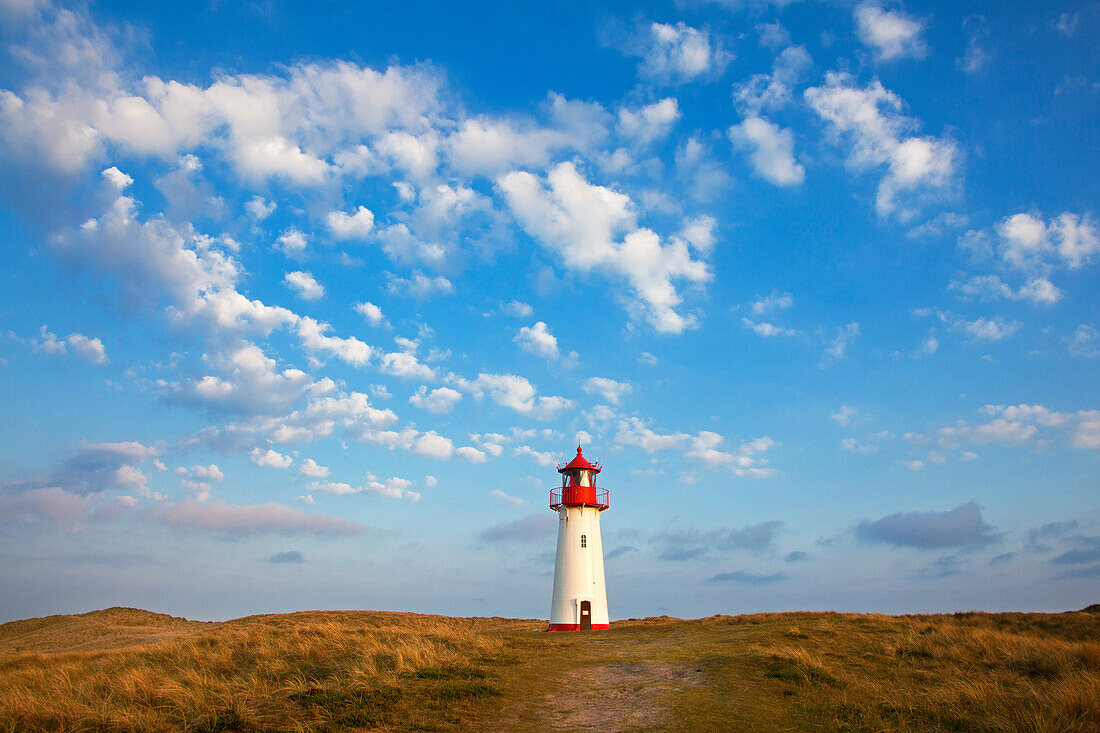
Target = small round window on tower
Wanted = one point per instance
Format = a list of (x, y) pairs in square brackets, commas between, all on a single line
[(584, 541)]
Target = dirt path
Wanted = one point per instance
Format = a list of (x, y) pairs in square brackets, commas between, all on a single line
[(620, 697), (593, 682)]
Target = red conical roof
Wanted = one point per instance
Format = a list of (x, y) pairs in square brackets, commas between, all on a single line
[(579, 462)]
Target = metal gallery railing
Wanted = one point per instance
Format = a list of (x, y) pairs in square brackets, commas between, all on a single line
[(579, 496)]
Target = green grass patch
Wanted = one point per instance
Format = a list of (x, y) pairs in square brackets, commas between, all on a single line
[(797, 671), (358, 707), (451, 672), (455, 692), (218, 721)]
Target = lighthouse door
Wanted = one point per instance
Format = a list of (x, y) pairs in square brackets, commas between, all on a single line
[(586, 615)]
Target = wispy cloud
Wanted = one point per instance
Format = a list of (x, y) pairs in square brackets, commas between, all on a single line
[(746, 578), (960, 527), (253, 520), (532, 528)]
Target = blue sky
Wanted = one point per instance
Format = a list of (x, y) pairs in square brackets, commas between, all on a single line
[(300, 303)]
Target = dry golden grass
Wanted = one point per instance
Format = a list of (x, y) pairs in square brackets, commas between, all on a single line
[(96, 631), (993, 676), (300, 671), (965, 672), (329, 671)]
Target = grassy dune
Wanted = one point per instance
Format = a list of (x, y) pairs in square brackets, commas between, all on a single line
[(125, 669)]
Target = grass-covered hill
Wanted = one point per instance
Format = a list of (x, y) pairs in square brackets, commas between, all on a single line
[(129, 670)]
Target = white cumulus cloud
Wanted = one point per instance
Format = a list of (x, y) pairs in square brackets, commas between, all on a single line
[(518, 309), (1032, 245), (270, 459), (292, 242), (679, 53), (260, 208), (433, 445), (771, 150), (649, 123), (89, 349), (595, 228), (917, 167), (609, 389), (371, 312), (305, 285), (471, 454), (439, 401), (312, 469), (514, 392), (538, 340), (421, 286), (357, 225), (892, 34)]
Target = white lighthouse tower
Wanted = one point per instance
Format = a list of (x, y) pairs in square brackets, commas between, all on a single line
[(580, 597)]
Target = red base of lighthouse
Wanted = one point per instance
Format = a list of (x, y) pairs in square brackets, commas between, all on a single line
[(576, 627)]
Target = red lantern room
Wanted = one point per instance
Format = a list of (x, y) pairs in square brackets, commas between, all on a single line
[(578, 485)]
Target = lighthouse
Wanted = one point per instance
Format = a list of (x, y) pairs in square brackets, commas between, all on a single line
[(580, 597)]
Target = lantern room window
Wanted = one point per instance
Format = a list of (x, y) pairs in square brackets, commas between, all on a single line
[(584, 541)]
